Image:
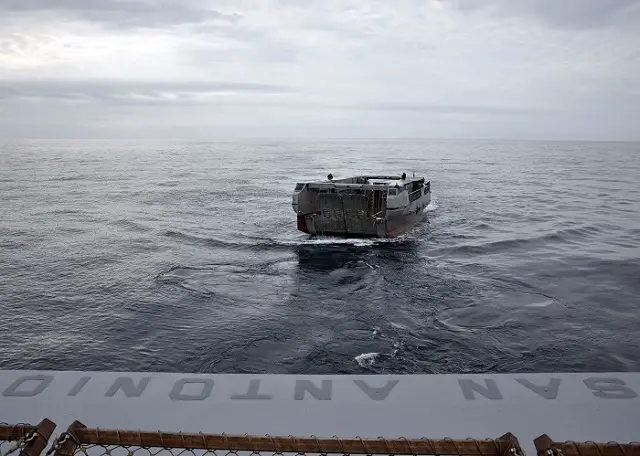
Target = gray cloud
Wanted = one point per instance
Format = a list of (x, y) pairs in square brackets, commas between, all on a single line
[(184, 93), (119, 13), (450, 109), (559, 13), (15, 45), (136, 92), (528, 68)]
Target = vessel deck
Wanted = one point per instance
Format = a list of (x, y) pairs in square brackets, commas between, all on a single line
[(566, 406)]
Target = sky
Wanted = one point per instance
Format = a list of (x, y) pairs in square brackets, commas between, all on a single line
[(461, 69)]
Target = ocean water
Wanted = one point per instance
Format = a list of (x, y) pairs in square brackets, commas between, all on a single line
[(184, 257)]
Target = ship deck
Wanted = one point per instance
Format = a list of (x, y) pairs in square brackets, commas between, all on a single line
[(581, 407), (366, 182)]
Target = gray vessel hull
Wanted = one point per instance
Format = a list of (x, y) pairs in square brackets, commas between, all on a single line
[(355, 207)]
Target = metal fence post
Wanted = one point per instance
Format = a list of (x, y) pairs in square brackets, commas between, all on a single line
[(543, 444), (39, 438), (68, 442), (516, 448)]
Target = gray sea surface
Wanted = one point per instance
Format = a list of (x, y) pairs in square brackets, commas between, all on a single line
[(182, 256)]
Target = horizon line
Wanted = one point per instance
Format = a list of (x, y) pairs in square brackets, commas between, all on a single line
[(314, 138)]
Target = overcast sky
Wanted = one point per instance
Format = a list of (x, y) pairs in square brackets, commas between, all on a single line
[(530, 69)]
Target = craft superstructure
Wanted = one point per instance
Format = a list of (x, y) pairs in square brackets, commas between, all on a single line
[(365, 205)]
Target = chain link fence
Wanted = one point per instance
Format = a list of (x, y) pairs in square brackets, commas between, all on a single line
[(79, 440), (24, 439), (12, 437), (545, 446)]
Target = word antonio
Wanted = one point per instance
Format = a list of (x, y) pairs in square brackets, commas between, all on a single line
[(374, 389)]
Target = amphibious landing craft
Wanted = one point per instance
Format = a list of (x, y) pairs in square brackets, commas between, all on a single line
[(361, 206)]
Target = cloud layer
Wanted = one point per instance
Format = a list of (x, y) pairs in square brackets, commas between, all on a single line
[(117, 13), (434, 68)]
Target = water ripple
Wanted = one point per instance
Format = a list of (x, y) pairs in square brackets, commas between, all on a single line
[(135, 255)]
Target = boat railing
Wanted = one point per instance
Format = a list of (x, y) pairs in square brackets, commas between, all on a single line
[(415, 195), (27, 440), (545, 446), (78, 439)]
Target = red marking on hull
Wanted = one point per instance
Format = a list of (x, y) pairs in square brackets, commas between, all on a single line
[(302, 224)]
